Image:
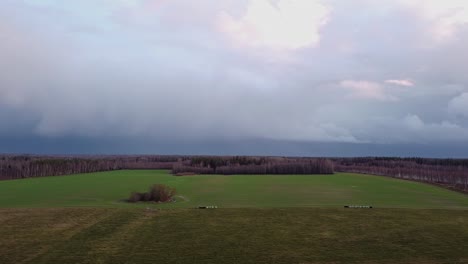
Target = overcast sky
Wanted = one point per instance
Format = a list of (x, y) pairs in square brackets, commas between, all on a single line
[(357, 73)]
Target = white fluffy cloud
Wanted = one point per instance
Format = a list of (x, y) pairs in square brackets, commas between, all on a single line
[(413, 122), (406, 83), (284, 24), (446, 16), (367, 90), (459, 105), (427, 132)]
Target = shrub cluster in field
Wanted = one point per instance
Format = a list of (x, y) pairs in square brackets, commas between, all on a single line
[(157, 193)]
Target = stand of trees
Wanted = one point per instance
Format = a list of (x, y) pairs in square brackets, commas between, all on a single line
[(159, 193), (25, 166), (254, 165), (451, 173)]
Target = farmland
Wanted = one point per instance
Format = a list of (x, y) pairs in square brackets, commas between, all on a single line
[(291, 235), (109, 189), (261, 219)]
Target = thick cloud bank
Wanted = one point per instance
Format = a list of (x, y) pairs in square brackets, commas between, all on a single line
[(363, 72)]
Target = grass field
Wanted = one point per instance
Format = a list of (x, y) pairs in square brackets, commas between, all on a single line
[(292, 235), (262, 219), (109, 189)]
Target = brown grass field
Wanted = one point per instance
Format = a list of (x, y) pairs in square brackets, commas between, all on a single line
[(293, 235)]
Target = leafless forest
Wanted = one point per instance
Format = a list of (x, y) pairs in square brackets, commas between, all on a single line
[(254, 165), (26, 166), (452, 173)]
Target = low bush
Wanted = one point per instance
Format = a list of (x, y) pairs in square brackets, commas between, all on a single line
[(157, 193), (136, 197)]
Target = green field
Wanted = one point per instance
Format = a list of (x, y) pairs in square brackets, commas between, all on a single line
[(261, 219), (109, 189), (292, 235)]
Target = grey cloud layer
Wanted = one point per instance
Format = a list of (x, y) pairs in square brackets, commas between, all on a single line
[(164, 69)]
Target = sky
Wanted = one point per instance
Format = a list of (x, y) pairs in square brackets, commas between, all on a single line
[(263, 77)]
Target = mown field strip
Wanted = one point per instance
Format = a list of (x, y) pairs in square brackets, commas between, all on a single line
[(305, 235)]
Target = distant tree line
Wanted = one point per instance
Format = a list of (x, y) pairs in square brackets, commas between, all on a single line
[(254, 165), (451, 173), (27, 166)]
